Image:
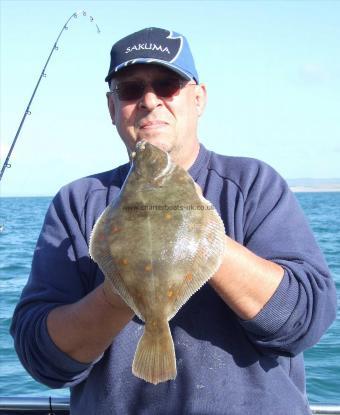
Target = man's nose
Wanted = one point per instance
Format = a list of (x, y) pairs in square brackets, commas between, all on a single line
[(150, 99)]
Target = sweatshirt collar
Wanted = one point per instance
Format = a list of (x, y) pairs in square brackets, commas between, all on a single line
[(200, 164)]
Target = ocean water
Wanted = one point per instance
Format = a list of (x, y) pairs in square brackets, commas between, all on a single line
[(22, 219)]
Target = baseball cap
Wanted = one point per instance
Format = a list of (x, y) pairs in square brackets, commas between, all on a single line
[(153, 46)]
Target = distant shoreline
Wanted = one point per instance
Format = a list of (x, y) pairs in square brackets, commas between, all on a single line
[(306, 185), (294, 189), (307, 189)]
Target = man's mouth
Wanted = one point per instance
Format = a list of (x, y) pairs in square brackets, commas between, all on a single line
[(149, 125)]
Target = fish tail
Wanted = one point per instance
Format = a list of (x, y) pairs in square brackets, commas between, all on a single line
[(155, 359)]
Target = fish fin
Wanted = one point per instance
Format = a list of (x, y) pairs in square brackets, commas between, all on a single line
[(95, 244), (155, 359), (99, 251), (205, 263), (114, 278), (111, 271)]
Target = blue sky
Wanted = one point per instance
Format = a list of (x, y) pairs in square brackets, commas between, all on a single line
[(272, 70)]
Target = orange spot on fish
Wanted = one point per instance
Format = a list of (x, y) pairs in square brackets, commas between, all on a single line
[(210, 237), (168, 216), (188, 277), (170, 293), (115, 229), (124, 261), (148, 267)]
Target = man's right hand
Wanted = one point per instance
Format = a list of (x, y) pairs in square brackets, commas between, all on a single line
[(112, 296), (86, 328)]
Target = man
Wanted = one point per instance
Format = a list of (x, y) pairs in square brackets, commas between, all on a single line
[(239, 340)]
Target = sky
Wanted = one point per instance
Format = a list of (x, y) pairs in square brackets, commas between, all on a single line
[(271, 68)]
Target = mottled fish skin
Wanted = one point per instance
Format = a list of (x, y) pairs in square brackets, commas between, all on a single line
[(158, 243)]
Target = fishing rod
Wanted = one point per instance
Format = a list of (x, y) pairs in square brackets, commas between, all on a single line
[(42, 75)]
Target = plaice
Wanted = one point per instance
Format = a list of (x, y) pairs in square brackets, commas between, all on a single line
[(158, 243)]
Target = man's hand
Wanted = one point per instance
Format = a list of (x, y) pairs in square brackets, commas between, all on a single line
[(112, 296), (85, 329), (244, 280)]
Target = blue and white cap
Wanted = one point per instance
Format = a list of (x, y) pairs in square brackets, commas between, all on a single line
[(153, 46)]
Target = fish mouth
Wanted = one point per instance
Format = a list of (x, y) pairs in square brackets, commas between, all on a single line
[(150, 161), (151, 152), (140, 145), (143, 145)]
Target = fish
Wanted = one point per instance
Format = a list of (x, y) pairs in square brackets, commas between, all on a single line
[(158, 243)]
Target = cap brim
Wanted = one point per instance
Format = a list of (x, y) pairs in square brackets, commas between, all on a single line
[(149, 61)]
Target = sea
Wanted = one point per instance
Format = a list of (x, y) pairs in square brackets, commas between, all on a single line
[(20, 223)]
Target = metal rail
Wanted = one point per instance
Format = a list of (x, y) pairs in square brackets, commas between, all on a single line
[(10, 405), (31, 406), (325, 409)]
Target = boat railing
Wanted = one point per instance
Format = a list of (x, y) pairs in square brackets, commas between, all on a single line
[(325, 409), (61, 406), (34, 406)]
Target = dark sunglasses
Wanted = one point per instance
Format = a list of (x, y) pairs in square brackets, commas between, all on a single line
[(164, 88)]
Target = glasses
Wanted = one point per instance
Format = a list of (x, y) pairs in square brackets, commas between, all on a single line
[(164, 88)]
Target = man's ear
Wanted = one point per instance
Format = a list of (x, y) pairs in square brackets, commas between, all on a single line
[(111, 107), (201, 98)]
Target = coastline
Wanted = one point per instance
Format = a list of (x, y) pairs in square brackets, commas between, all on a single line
[(311, 189), (294, 189)]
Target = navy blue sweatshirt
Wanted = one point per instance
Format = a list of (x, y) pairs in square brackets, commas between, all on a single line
[(225, 365)]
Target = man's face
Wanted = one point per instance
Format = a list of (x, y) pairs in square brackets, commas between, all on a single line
[(169, 123)]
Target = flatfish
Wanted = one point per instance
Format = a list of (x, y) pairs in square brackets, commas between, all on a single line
[(158, 242)]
